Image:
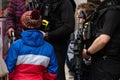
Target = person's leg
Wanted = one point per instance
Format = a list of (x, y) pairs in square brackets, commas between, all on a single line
[(61, 56)]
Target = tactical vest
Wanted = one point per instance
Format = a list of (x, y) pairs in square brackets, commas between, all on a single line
[(110, 48)]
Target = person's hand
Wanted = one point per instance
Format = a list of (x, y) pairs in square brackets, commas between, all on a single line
[(43, 33), (9, 31), (84, 54)]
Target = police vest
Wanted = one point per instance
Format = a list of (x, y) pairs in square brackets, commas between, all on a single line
[(97, 15)]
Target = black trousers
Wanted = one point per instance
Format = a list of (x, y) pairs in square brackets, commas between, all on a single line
[(61, 52), (105, 68)]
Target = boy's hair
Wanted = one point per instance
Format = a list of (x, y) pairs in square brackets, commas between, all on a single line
[(88, 7)]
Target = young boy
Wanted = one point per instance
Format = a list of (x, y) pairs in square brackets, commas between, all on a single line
[(87, 9), (31, 57)]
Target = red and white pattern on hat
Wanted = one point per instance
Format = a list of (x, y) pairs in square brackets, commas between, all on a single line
[(29, 22)]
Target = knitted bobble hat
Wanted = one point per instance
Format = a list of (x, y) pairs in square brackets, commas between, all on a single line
[(31, 19)]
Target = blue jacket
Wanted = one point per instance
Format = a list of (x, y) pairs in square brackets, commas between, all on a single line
[(32, 58)]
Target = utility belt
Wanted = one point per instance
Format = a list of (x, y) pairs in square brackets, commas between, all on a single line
[(106, 55), (103, 58)]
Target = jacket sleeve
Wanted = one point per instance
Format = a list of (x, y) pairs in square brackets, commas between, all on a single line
[(10, 18), (52, 68), (10, 60), (66, 27)]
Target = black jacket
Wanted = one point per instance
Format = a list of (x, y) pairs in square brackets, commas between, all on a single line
[(62, 21)]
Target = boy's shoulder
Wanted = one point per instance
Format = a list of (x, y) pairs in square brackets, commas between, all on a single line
[(48, 44)]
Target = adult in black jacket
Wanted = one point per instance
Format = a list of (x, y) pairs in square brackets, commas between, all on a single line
[(61, 26), (105, 49)]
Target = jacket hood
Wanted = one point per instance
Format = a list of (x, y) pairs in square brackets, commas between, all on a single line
[(32, 38)]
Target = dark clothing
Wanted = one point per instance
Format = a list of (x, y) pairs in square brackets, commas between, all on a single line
[(61, 56), (109, 24), (106, 62), (105, 68), (60, 29), (73, 4), (63, 23)]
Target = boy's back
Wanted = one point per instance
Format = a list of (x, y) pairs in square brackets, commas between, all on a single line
[(31, 57)]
